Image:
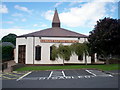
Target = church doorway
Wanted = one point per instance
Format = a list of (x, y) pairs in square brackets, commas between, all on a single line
[(21, 53)]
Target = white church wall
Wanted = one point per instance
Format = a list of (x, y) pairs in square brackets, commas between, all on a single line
[(89, 59), (31, 42), (29, 50), (45, 51), (19, 41)]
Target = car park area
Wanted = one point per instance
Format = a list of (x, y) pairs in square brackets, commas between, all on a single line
[(83, 78)]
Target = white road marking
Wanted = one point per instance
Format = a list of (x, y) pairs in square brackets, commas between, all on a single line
[(111, 75), (63, 73), (106, 75), (54, 75), (50, 74), (90, 72), (23, 76)]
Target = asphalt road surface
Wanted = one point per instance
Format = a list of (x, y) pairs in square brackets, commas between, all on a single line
[(60, 79)]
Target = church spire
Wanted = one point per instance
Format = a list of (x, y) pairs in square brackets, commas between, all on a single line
[(56, 20)]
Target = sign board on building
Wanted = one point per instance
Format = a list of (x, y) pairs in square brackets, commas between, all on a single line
[(58, 41)]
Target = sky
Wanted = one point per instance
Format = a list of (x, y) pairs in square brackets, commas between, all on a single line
[(26, 17)]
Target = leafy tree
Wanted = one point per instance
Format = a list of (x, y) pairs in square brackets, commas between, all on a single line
[(80, 49), (10, 38), (54, 52), (7, 53), (105, 38), (64, 52)]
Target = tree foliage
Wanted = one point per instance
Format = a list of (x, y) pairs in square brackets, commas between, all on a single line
[(10, 38), (105, 38), (64, 52), (54, 52), (79, 48), (7, 53)]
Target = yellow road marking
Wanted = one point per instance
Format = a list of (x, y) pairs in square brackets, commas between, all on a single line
[(8, 77), (12, 75), (19, 72)]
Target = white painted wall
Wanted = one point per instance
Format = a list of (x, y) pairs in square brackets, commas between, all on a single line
[(29, 50), (31, 42), (19, 41)]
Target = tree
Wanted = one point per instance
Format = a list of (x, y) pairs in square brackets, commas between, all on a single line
[(64, 52), (54, 53), (7, 53), (105, 38), (10, 38), (80, 49)]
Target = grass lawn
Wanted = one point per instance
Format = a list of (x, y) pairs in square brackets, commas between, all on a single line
[(101, 67)]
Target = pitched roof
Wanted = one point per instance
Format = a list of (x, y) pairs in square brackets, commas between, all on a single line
[(55, 31)]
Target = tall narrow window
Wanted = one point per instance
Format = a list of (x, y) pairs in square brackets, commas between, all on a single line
[(38, 53), (80, 57), (51, 58)]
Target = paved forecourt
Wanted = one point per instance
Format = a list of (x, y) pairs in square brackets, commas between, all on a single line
[(83, 78), (63, 74)]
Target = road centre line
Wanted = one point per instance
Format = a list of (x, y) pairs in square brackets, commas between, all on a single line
[(23, 76), (90, 72)]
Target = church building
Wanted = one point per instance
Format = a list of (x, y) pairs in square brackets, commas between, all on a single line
[(35, 48)]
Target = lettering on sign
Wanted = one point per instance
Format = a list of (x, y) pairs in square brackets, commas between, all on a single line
[(59, 41)]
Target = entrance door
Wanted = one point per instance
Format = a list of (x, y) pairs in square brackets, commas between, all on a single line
[(21, 53)]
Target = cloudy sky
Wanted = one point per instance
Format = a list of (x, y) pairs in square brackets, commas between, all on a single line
[(25, 17)]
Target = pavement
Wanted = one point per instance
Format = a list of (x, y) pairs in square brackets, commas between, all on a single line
[(9, 67), (83, 78)]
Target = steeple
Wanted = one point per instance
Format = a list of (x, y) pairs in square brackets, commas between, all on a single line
[(56, 20)]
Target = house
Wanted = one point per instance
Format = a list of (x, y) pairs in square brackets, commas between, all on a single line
[(35, 47)]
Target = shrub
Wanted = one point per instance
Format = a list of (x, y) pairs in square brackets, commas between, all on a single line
[(7, 53)]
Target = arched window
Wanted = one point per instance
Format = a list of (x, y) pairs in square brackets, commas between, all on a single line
[(51, 58), (80, 57), (38, 53)]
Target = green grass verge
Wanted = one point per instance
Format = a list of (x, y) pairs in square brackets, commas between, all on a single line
[(102, 67)]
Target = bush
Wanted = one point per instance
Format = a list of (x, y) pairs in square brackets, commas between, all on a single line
[(7, 53)]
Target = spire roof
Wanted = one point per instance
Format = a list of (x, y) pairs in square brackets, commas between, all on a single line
[(56, 20), (55, 31)]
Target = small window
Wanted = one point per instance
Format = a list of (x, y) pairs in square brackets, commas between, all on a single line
[(80, 57), (51, 58), (38, 53)]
